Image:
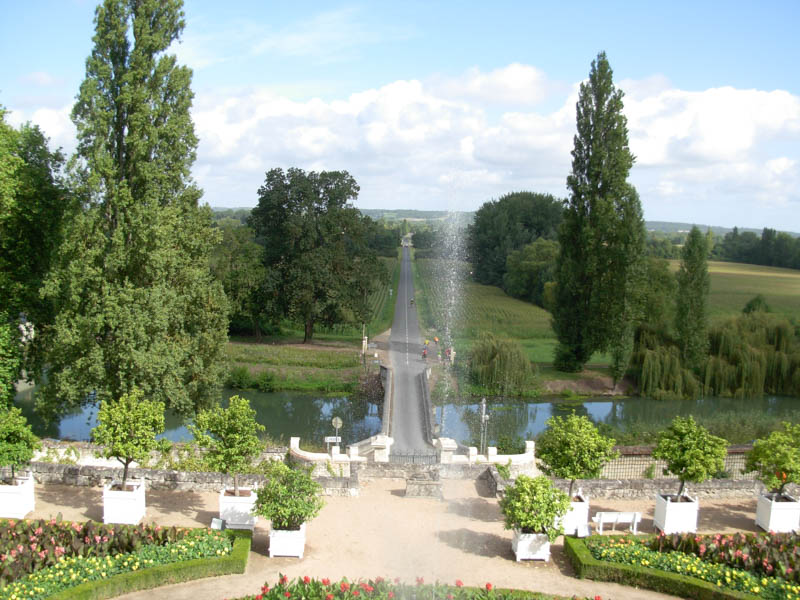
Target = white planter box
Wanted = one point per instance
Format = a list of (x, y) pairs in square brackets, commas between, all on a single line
[(18, 500), (121, 506), (675, 517), (237, 511), (285, 542), (777, 516), (577, 515), (530, 546)]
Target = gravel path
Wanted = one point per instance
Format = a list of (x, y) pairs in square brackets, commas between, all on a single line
[(383, 533)]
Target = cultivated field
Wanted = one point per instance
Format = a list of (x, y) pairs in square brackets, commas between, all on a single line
[(488, 308)]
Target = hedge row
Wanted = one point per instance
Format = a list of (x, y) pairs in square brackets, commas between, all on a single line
[(588, 567), (160, 575)]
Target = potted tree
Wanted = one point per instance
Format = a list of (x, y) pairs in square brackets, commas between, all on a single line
[(534, 509), (572, 448), (17, 445), (230, 438), (777, 462), (127, 430), (692, 454), (290, 498)]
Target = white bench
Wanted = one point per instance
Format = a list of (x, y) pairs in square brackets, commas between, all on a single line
[(602, 518)]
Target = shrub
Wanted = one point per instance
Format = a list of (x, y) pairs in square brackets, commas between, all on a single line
[(289, 498), (265, 381), (692, 454), (498, 364), (572, 448), (510, 445), (777, 458), (229, 436), (533, 505), (239, 378), (17, 441)]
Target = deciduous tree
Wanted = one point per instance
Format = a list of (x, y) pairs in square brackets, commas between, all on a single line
[(17, 440), (600, 262), (318, 245), (138, 307), (691, 317)]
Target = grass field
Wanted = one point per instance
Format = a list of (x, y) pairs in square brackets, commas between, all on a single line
[(734, 284), (488, 308)]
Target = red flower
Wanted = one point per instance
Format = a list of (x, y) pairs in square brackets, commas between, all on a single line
[(287, 594), (344, 586), (329, 597), (284, 579), (459, 583), (391, 595), (356, 593), (397, 580), (326, 581), (306, 579), (488, 587), (264, 588), (379, 580), (259, 597), (598, 598), (420, 580), (449, 596)]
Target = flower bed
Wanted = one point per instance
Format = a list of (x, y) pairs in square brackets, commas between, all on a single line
[(198, 553), (306, 588), (636, 552), (766, 553), (29, 545)]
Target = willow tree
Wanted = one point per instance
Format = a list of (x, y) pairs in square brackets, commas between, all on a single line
[(600, 263), (691, 319), (138, 308)]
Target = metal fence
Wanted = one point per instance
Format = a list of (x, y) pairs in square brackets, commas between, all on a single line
[(636, 462), (413, 458)]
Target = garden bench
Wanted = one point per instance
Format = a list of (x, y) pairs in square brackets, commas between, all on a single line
[(602, 518)]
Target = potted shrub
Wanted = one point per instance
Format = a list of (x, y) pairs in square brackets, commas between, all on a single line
[(127, 429), (230, 438), (290, 498), (777, 462), (534, 509), (692, 454), (572, 448), (17, 445)]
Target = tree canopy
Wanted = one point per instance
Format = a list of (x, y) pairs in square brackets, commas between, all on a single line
[(317, 245), (505, 225), (691, 319), (137, 305), (601, 240)]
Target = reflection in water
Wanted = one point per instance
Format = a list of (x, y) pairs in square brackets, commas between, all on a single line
[(284, 414), (527, 419)]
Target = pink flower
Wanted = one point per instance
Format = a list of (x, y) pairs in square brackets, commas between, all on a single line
[(38, 531), (391, 595), (344, 586), (488, 587), (306, 579), (420, 580), (356, 593), (459, 583), (326, 581), (329, 597)]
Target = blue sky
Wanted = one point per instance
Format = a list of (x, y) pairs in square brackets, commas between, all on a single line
[(450, 104)]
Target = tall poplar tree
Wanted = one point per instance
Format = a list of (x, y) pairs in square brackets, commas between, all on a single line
[(138, 308), (691, 317), (600, 262)]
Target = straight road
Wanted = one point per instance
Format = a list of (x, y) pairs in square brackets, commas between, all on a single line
[(405, 356)]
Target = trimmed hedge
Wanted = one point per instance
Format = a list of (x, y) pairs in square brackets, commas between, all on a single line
[(160, 575), (588, 567)]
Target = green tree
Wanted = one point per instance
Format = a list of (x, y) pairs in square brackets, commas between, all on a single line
[(230, 437), (289, 498), (127, 428), (529, 269), (138, 307), (601, 253), (238, 264), (317, 244), (533, 505), (498, 364), (17, 441), (691, 452), (572, 448), (10, 361), (691, 317), (777, 458), (505, 225)]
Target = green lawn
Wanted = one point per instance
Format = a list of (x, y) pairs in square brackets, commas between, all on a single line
[(488, 308)]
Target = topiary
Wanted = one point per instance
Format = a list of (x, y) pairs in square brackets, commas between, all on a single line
[(289, 498), (776, 458), (533, 505)]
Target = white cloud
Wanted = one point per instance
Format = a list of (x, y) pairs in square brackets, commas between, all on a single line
[(55, 123), (42, 79), (513, 84)]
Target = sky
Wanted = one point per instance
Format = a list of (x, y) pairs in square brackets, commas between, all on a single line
[(447, 105)]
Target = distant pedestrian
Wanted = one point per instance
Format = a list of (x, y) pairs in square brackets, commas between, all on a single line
[(436, 340)]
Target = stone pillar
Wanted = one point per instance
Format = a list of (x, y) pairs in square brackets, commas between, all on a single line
[(335, 452), (530, 448), (446, 447), (381, 446), (352, 451), (473, 455), (491, 453), (294, 443)]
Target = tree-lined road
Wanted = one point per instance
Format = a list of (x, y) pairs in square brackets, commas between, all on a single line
[(405, 356)]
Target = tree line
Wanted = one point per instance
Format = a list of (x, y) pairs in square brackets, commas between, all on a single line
[(115, 279)]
